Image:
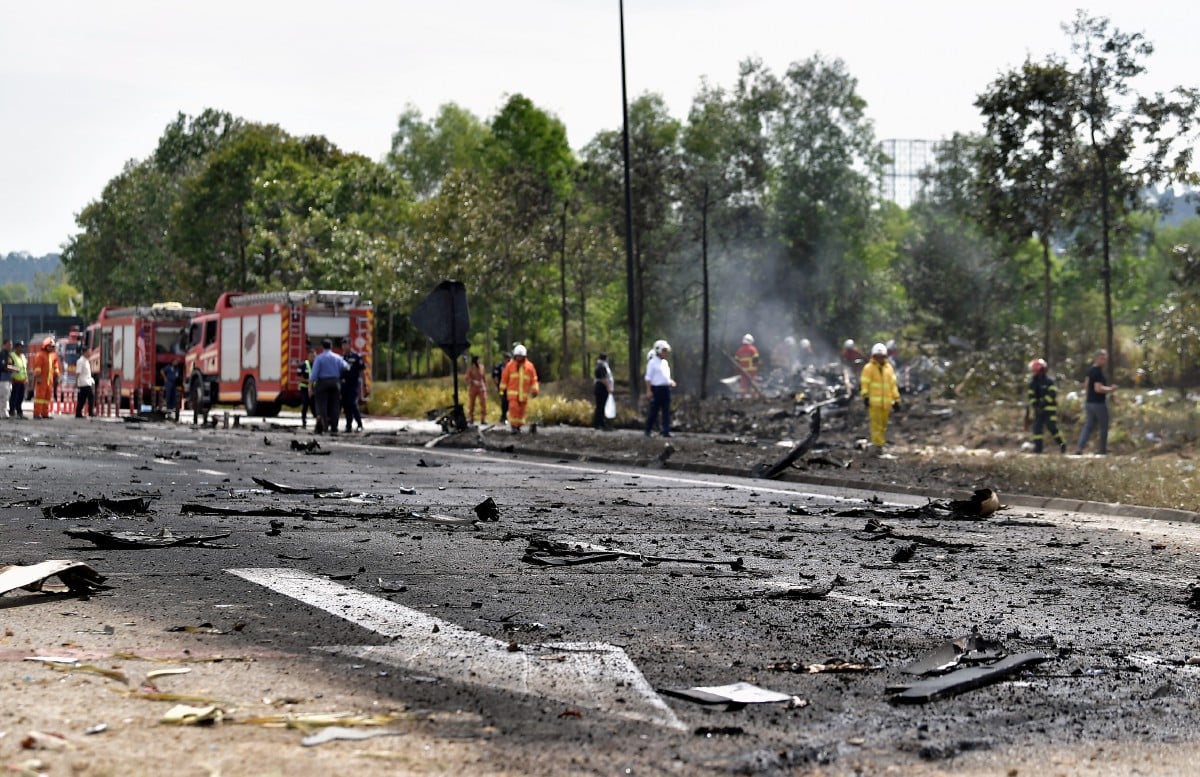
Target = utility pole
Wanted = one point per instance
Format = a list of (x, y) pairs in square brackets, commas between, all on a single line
[(635, 380)]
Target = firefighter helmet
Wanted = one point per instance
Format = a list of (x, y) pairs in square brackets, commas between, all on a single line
[(48, 344), (747, 339), (804, 343), (848, 344), (1037, 365), (789, 340), (661, 346), (879, 349), (519, 350)]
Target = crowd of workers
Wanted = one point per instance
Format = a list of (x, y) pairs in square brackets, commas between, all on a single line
[(331, 384)]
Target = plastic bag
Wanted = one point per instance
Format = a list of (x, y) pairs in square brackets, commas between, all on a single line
[(610, 407)]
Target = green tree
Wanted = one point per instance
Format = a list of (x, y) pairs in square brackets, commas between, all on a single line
[(1028, 166), (424, 152), (1135, 140)]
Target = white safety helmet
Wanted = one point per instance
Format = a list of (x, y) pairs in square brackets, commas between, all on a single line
[(789, 340), (848, 344), (519, 350), (879, 349), (747, 339), (660, 346), (804, 343)]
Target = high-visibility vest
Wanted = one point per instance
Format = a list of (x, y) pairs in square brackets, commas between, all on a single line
[(20, 368)]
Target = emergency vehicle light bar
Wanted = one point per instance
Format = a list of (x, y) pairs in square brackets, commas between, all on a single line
[(163, 311)]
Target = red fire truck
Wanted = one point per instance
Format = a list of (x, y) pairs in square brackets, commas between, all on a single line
[(249, 349), (128, 346)]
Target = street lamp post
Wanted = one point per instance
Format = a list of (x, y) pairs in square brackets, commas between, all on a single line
[(630, 296)]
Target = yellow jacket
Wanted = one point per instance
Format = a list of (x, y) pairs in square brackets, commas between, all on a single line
[(879, 383)]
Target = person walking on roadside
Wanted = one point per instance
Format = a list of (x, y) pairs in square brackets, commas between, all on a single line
[(19, 369), (352, 381), (880, 393), (5, 377), (46, 371), (497, 373), (304, 372), (603, 390), (476, 391), (1096, 404), (519, 382), (658, 387), (1043, 404), (327, 377), (86, 387)]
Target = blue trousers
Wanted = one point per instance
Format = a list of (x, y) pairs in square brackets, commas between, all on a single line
[(660, 401)]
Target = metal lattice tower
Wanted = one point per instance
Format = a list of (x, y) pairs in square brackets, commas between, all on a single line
[(902, 174)]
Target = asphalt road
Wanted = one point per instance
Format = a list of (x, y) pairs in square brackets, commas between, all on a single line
[(690, 580)]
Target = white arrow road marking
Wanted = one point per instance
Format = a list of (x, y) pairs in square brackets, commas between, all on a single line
[(584, 674)]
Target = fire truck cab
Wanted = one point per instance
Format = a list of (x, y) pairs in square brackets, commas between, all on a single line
[(128, 346), (249, 349)]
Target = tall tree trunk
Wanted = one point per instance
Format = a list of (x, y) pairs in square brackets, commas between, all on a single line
[(704, 292), (1106, 272), (565, 368), (1047, 298)]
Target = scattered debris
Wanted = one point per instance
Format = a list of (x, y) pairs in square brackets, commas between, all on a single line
[(905, 553), (77, 576), (735, 693), (819, 591), (949, 654), (878, 530), (719, 731), (544, 552), (334, 733), (781, 466), (963, 679), (1193, 600), (192, 508), (94, 508), (391, 586), (73, 665), (203, 628), (185, 715), (99, 728), (982, 503), (829, 666), (45, 740), (136, 540), (285, 489), (312, 720), (311, 448), (488, 510)]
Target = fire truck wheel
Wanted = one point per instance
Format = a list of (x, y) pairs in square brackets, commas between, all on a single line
[(250, 397)]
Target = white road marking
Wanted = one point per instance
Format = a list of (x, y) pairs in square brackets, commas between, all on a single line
[(212, 472), (584, 674)]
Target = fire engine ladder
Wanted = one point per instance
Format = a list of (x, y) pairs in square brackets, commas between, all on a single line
[(162, 311), (297, 348)]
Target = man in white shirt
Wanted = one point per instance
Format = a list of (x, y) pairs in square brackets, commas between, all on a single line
[(658, 387), (85, 386)]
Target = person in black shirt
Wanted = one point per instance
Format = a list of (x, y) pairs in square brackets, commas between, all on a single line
[(352, 385), (497, 371), (1043, 403), (1096, 406)]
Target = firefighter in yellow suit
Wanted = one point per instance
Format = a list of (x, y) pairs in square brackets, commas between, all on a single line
[(46, 371), (518, 382), (880, 392)]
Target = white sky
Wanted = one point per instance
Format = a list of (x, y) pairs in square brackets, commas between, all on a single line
[(86, 86)]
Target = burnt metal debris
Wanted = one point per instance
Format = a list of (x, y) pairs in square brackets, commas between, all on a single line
[(310, 448), (78, 577), (281, 488), (544, 552), (488, 510), (963, 680), (781, 466), (136, 540), (949, 654), (94, 508)]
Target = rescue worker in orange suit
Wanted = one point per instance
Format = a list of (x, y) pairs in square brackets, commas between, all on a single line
[(879, 392), (518, 382), (747, 359), (476, 391), (46, 371), (1043, 403)]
